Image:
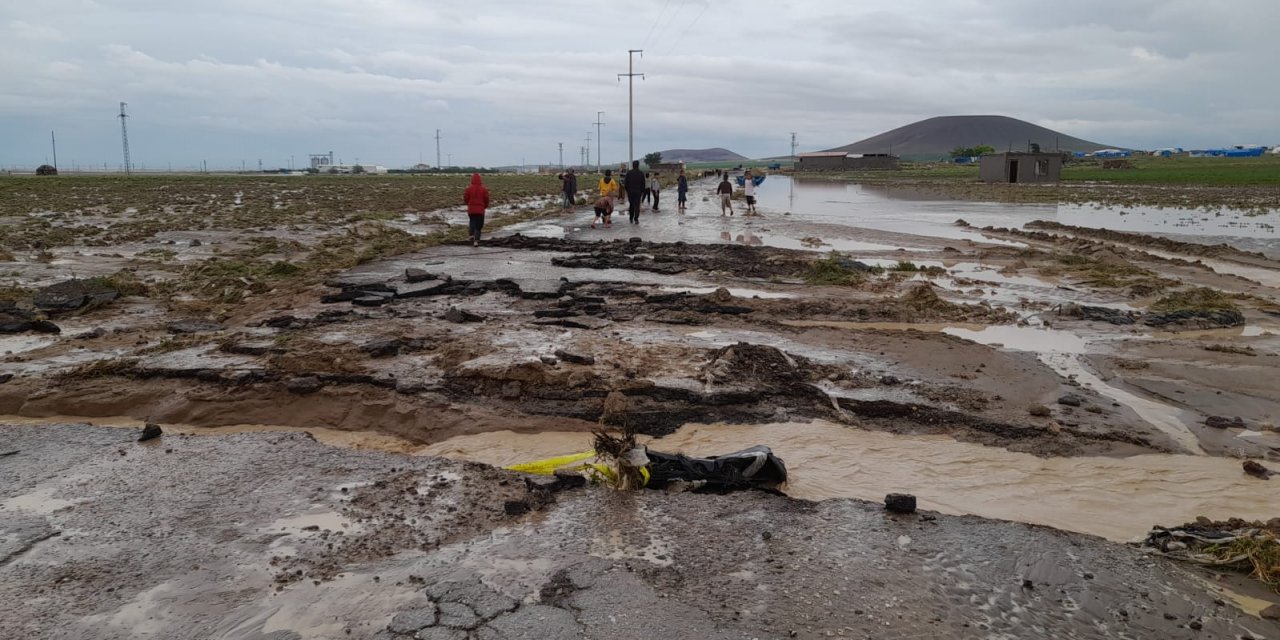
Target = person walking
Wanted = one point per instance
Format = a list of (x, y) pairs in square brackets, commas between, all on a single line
[(749, 190), (682, 192), (725, 190), (655, 188), (647, 193), (570, 188), (476, 197), (622, 191), (634, 183)]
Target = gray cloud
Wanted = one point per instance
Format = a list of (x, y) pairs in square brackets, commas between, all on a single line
[(240, 80)]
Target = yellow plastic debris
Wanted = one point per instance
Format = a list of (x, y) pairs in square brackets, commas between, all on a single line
[(549, 466)]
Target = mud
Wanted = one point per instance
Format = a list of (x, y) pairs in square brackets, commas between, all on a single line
[(286, 538)]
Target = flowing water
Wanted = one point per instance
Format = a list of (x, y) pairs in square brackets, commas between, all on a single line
[(1116, 498)]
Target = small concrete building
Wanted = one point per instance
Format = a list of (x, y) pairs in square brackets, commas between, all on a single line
[(842, 161), (1016, 167)]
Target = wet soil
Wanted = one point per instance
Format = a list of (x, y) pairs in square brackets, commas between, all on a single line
[(283, 537)]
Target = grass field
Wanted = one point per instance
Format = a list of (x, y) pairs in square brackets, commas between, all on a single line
[(1183, 170)]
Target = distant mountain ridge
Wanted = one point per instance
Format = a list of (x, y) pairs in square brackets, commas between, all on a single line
[(938, 136), (716, 154)]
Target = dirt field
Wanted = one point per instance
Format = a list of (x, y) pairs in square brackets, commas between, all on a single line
[(349, 306)]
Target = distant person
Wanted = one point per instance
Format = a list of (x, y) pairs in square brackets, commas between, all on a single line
[(622, 191), (655, 188), (749, 190), (682, 192), (647, 193), (635, 186), (476, 197), (726, 194), (570, 188), (604, 211)]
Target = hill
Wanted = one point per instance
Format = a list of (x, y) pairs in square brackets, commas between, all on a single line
[(701, 155), (938, 136)]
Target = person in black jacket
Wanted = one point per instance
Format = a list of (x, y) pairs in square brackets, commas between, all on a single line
[(635, 184)]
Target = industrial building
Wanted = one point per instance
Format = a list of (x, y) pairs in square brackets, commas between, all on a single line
[(842, 161), (1017, 167)]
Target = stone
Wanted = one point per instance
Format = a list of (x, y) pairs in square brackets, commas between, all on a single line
[(459, 316), (1272, 612), (900, 503), (384, 347), (1071, 400), (413, 275), (457, 615), (190, 326), (574, 358), (890, 380), (550, 361), (71, 295), (1255, 469), (1223, 422), (1039, 410), (304, 385), (150, 432), (196, 243), (413, 620), (370, 301), (20, 320), (515, 507)]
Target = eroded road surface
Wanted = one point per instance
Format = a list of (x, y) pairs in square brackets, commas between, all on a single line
[(278, 536)]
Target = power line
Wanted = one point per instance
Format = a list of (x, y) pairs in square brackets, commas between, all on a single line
[(686, 29), (631, 103), (667, 25), (655, 23)]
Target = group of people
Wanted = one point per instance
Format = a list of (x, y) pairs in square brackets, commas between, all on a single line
[(636, 188)]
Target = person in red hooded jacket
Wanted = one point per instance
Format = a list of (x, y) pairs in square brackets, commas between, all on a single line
[(476, 198)]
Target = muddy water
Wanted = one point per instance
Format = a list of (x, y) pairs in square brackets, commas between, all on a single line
[(903, 209), (1116, 498)]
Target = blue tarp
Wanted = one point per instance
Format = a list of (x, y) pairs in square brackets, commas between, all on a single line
[(756, 180)]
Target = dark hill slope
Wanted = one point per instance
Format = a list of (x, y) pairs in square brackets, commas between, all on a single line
[(938, 136)]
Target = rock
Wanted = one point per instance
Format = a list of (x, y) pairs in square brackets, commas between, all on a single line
[(72, 295), (900, 503), (460, 316), (410, 386), (1272, 612), (720, 296), (196, 243), (550, 361), (384, 347), (370, 301), (190, 326), (574, 358), (1200, 319), (554, 313), (486, 602), (150, 432), (1253, 468), (281, 322), (5, 377), (515, 507), (412, 275), (1039, 410), (890, 380), (1223, 422), (587, 322), (14, 320), (90, 335), (1071, 400), (413, 620), (457, 615), (304, 385)]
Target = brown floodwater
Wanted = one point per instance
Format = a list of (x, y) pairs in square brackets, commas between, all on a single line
[(1115, 498)]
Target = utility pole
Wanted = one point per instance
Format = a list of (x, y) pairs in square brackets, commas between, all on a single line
[(599, 123), (124, 137), (588, 150), (631, 102), (561, 155), (793, 148), (54, 141), (437, 148), (450, 157)]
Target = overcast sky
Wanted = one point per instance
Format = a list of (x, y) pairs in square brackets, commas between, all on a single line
[(232, 80)]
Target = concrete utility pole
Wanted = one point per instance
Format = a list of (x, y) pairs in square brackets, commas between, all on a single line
[(793, 147), (54, 141), (588, 149), (599, 123), (561, 144), (631, 101), (437, 148), (124, 137)]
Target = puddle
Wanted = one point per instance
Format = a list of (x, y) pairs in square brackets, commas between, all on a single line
[(40, 501), (738, 293), (317, 519), (1116, 498), (23, 343)]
